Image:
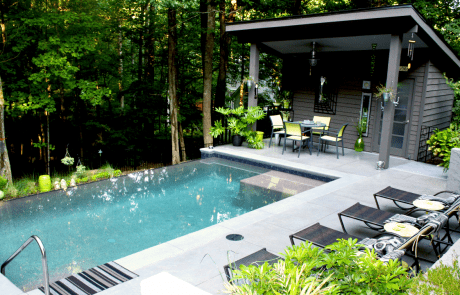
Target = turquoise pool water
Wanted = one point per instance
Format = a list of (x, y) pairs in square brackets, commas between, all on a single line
[(104, 221)]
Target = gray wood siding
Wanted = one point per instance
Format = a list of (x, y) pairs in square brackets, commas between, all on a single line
[(419, 76), (439, 100), (348, 105)]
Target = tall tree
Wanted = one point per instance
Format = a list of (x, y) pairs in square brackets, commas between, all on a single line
[(172, 81), (224, 47), (4, 158), (207, 75)]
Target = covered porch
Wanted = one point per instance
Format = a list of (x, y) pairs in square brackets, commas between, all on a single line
[(356, 51)]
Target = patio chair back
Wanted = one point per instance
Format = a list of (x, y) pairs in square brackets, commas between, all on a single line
[(324, 120), (342, 129), (293, 129), (277, 121)]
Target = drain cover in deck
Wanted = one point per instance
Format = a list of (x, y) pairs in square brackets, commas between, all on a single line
[(234, 237)]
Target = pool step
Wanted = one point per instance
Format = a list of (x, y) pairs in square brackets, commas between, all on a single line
[(284, 183), (92, 281)]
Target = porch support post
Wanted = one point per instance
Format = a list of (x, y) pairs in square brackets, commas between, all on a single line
[(394, 61), (254, 73)]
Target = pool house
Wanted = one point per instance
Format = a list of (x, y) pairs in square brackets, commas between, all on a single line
[(355, 51)]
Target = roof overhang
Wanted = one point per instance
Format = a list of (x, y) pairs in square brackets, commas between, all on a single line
[(350, 30)]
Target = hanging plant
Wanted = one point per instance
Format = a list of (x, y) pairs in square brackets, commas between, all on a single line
[(67, 160), (322, 98)]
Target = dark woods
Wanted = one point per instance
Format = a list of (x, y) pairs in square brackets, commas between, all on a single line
[(96, 75)]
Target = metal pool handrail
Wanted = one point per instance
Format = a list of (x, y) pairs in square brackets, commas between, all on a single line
[(44, 261)]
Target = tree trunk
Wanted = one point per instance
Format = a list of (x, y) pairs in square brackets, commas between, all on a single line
[(182, 143), (172, 75), (225, 41), (5, 166), (120, 69), (150, 46), (207, 75), (4, 159), (296, 7), (204, 22)]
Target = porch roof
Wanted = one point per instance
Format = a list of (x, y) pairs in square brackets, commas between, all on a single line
[(349, 30)]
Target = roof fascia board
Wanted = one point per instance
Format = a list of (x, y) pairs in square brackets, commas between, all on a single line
[(321, 19)]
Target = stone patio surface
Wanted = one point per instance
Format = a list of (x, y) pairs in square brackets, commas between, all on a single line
[(198, 258)]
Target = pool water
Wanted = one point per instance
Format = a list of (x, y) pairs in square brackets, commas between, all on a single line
[(104, 221)]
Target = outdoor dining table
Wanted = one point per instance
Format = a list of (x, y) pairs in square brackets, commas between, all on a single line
[(308, 125)]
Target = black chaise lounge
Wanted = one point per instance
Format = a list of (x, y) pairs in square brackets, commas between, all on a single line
[(322, 236), (375, 219), (400, 196), (256, 258)]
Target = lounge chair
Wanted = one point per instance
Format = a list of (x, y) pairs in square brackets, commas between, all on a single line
[(322, 236), (375, 219), (400, 196), (256, 258)]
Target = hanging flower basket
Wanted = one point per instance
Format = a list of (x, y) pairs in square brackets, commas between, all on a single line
[(67, 160)]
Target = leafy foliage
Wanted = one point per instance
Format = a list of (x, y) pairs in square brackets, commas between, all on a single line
[(442, 142), (339, 270), (456, 107), (3, 183), (238, 120), (441, 280)]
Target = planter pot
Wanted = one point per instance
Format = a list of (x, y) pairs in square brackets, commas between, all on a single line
[(237, 140), (359, 144), (286, 117), (260, 135), (276, 104), (286, 104), (386, 96), (44, 183)]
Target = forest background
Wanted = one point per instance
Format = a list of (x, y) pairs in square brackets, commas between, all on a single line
[(131, 82)]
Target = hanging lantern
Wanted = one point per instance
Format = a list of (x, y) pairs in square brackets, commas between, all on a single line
[(410, 47)]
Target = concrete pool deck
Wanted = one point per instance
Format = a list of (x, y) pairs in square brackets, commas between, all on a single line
[(198, 258)]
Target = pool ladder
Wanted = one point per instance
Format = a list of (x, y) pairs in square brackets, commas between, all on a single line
[(46, 278)]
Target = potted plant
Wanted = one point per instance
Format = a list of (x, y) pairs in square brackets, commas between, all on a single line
[(361, 128), (386, 93), (285, 115), (238, 121)]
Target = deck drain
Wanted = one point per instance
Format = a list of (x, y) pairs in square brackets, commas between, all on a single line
[(111, 240), (234, 237)]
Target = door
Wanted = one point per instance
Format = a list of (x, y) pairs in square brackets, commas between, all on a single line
[(400, 135)]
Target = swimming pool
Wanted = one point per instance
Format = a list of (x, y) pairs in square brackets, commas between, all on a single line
[(104, 221)]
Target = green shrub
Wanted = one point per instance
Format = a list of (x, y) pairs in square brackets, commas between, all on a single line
[(442, 142), (341, 271), (3, 182), (117, 173), (100, 175), (25, 187), (441, 280), (81, 180), (11, 191)]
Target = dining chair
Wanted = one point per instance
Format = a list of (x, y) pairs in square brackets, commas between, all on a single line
[(277, 123), (324, 120), (331, 136), (293, 131)]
